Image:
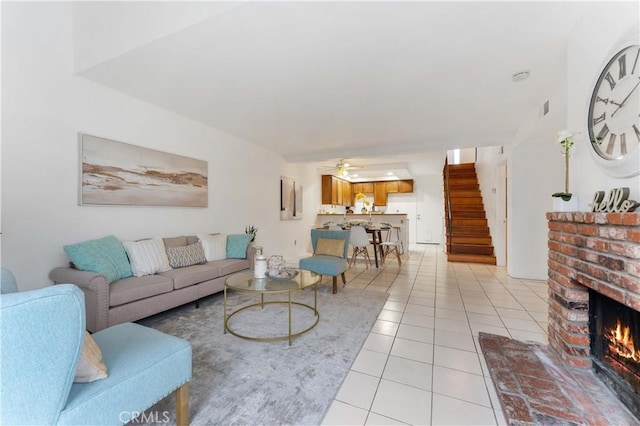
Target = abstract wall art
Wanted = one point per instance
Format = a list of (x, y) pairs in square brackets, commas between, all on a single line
[(116, 173)]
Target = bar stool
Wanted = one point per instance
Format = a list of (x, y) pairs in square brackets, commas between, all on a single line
[(398, 238)]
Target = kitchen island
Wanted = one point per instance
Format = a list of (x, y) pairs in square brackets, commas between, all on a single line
[(398, 220)]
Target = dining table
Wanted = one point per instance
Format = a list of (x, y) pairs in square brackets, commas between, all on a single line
[(376, 241)]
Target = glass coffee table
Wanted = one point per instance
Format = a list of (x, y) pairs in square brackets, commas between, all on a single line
[(246, 283)]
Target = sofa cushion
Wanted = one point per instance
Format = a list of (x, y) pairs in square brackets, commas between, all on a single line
[(190, 275), (215, 246), (237, 245), (147, 257), (104, 256), (180, 257), (137, 288), (229, 266)]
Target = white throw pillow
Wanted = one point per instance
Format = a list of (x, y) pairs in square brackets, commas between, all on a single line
[(215, 246), (147, 257)]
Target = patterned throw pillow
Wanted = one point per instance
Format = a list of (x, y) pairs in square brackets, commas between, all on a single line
[(215, 246), (237, 245), (193, 254), (104, 256), (147, 256)]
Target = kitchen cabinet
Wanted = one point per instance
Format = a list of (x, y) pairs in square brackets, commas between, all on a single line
[(335, 191), (340, 192), (380, 193), (405, 186), (347, 193)]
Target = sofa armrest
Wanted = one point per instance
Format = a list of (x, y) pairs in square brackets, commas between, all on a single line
[(96, 294)]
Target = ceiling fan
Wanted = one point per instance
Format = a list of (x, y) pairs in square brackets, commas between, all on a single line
[(341, 168)]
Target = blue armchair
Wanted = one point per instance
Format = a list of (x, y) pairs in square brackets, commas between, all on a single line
[(42, 334), (325, 264)]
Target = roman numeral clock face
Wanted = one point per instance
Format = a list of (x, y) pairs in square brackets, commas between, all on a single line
[(614, 110)]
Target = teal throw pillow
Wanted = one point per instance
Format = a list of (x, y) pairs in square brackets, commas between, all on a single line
[(237, 245), (104, 256)]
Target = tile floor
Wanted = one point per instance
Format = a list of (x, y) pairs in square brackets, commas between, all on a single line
[(421, 363)]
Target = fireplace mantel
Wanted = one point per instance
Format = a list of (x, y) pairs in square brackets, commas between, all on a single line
[(598, 251)]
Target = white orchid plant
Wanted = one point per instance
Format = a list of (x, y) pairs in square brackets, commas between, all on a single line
[(566, 139)]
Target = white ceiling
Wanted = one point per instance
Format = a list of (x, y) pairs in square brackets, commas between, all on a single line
[(320, 81)]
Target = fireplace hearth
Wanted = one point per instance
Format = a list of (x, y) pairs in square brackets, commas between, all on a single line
[(614, 331)]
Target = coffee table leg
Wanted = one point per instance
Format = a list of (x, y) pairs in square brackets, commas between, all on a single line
[(224, 317), (315, 298), (289, 318)]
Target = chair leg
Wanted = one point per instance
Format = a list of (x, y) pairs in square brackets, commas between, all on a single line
[(398, 256), (335, 284), (182, 405), (344, 279)]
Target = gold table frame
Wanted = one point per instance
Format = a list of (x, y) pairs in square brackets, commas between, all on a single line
[(245, 282)]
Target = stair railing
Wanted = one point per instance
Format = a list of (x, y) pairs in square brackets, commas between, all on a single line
[(447, 206)]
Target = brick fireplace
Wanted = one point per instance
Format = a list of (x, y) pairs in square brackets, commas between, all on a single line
[(597, 252)]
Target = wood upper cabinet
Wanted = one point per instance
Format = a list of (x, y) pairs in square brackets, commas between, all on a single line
[(405, 186), (347, 193), (340, 192), (335, 191), (380, 193), (392, 186)]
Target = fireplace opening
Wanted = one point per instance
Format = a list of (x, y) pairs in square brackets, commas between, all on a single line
[(615, 347)]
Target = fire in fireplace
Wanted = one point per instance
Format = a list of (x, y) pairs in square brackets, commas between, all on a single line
[(615, 333)]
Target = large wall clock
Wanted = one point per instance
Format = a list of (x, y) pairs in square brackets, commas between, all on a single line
[(613, 120)]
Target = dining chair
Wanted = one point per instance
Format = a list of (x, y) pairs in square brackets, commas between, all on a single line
[(360, 242), (388, 247)]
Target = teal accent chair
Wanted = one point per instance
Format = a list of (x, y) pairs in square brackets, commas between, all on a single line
[(324, 264), (7, 282), (42, 334)]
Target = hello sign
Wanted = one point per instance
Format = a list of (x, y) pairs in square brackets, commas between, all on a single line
[(617, 200)]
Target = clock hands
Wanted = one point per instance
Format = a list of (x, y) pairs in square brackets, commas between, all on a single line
[(625, 99)]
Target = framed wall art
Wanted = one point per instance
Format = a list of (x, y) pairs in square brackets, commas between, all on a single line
[(290, 199), (116, 173)]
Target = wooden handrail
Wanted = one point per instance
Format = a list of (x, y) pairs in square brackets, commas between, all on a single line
[(447, 204)]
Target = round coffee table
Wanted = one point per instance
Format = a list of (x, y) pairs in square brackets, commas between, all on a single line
[(245, 282)]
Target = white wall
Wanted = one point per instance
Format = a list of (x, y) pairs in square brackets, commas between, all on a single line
[(489, 167), (588, 51), (44, 106), (536, 168)]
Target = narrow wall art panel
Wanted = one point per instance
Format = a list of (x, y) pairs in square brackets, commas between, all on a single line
[(116, 173), (290, 199)]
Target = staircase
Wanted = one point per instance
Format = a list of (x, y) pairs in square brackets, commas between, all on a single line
[(468, 237)]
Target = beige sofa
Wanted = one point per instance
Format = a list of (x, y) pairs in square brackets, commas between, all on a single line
[(134, 298)]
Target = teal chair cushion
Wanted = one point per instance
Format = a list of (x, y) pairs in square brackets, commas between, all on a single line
[(140, 361), (324, 265)]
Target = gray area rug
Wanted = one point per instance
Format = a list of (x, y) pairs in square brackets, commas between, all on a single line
[(242, 382)]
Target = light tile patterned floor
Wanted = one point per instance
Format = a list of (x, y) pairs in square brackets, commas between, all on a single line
[(421, 364)]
